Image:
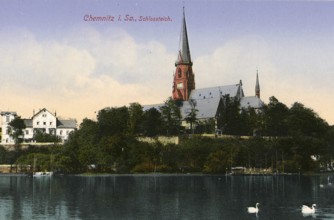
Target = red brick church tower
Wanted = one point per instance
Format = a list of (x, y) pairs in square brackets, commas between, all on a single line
[(184, 79)]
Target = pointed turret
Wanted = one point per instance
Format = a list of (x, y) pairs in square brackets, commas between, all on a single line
[(184, 78), (257, 85), (184, 51)]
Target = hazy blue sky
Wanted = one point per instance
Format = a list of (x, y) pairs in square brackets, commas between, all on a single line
[(51, 57)]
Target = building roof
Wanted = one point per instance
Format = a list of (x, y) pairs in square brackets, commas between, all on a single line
[(217, 92), (69, 123), (207, 100), (206, 108), (28, 123), (42, 110), (156, 106), (8, 113), (251, 101)]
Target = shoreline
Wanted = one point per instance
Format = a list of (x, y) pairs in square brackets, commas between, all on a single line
[(173, 174)]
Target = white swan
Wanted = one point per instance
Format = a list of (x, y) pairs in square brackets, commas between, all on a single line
[(308, 210), (253, 209)]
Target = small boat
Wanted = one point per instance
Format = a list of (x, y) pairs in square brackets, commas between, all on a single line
[(45, 173)]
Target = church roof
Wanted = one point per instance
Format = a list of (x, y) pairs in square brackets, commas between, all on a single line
[(156, 106), (216, 92), (206, 108), (184, 51), (251, 101)]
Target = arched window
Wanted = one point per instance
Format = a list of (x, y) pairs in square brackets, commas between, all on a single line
[(179, 72)]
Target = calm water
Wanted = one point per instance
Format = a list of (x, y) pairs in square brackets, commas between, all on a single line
[(163, 197)]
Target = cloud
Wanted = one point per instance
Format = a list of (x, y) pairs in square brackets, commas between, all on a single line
[(296, 71), (78, 75), (87, 70), (236, 60)]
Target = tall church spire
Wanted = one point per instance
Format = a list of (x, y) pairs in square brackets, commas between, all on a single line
[(184, 51), (184, 78), (257, 85)]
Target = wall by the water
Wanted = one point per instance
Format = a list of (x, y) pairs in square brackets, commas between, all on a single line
[(7, 168), (11, 147), (164, 140)]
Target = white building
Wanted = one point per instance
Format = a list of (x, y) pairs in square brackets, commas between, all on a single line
[(6, 117), (43, 121)]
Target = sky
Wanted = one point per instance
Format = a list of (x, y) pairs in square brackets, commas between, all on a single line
[(54, 55)]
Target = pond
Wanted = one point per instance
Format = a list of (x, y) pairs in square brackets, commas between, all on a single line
[(162, 196)]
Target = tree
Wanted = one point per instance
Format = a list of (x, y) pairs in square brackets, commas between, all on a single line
[(112, 121), (135, 118), (42, 137), (191, 118), (87, 140), (80, 149), (152, 122), (304, 121), (229, 117), (171, 116), (17, 125), (276, 114)]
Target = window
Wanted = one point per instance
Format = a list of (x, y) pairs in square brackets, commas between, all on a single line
[(61, 132), (27, 132), (44, 123), (37, 123), (50, 122), (7, 118), (180, 85), (179, 72)]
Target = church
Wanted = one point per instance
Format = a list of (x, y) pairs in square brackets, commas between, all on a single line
[(205, 100)]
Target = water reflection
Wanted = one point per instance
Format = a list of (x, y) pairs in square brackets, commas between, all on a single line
[(163, 197)]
